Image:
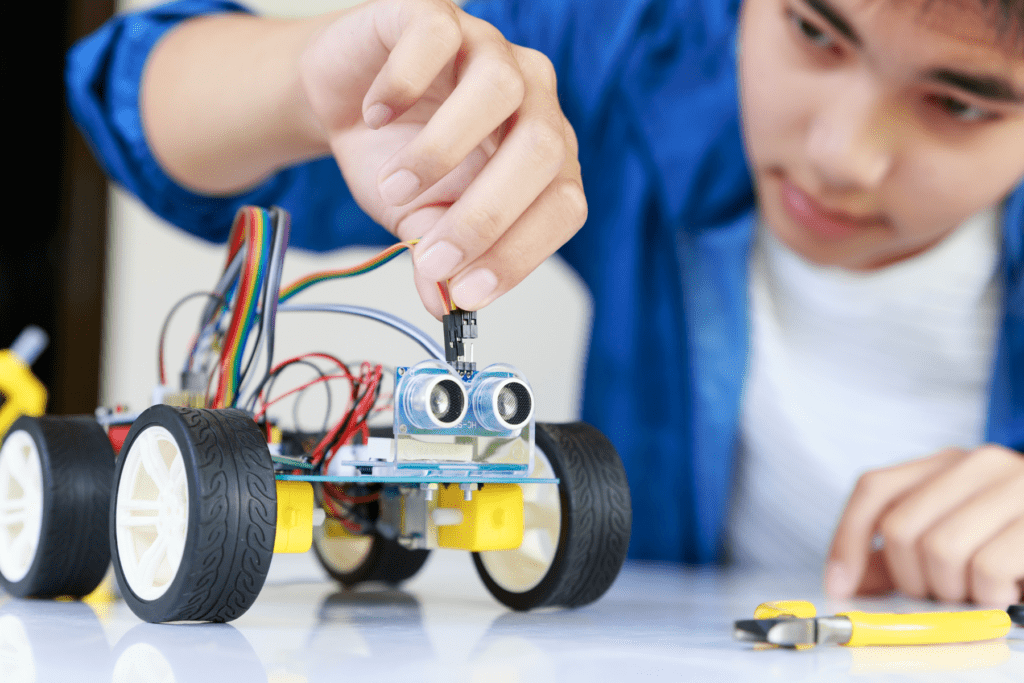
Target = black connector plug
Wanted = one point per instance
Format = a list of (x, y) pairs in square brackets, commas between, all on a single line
[(459, 325)]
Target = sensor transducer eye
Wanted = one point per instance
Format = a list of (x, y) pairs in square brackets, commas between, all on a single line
[(439, 401), (508, 404), (501, 403), (446, 403)]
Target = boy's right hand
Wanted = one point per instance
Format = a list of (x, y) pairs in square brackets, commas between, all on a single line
[(446, 131)]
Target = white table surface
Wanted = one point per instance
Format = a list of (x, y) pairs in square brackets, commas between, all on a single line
[(658, 622)]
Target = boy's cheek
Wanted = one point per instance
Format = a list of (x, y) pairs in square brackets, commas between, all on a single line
[(775, 97)]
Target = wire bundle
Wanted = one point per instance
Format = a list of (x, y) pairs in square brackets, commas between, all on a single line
[(236, 331), (250, 226)]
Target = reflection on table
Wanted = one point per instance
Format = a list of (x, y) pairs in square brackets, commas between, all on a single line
[(658, 622)]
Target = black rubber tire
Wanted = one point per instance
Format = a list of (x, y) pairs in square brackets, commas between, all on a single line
[(232, 515), (387, 561), (77, 465), (596, 518)]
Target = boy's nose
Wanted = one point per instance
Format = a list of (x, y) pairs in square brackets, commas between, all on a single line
[(850, 139)]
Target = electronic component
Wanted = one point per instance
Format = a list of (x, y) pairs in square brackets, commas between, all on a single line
[(501, 402), (460, 325)]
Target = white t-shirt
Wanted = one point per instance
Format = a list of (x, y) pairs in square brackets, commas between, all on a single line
[(851, 371)]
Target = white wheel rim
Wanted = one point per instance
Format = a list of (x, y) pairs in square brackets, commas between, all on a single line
[(520, 570), (151, 518), (21, 504), (16, 651), (142, 663), (343, 554)]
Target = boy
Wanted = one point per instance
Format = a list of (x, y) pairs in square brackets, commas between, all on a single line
[(868, 312)]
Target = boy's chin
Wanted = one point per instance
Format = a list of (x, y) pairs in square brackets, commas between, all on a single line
[(852, 253)]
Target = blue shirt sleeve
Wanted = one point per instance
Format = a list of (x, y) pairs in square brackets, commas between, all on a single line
[(102, 75), (104, 72)]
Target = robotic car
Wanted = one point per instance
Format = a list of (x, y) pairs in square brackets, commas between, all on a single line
[(191, 497)]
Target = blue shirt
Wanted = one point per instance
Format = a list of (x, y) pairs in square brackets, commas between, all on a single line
[(650, 88)]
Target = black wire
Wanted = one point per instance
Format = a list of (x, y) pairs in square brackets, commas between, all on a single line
[(271, 379), (251, 407), (252, 356), (282, 231), (298, 397), (167, 322)]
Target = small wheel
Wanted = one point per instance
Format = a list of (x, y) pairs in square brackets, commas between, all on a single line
[(576, 534), (194, 514), (55, 476), (351, 560)]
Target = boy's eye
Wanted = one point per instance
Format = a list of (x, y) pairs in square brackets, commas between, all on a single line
[(811, 32), (961, 111)]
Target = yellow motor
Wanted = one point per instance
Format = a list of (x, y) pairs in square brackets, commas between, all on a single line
[(294, 517), (491, 520)]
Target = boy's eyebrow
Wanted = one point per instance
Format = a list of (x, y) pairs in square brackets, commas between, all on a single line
[(984, 86), (832, 16), (987, 87)]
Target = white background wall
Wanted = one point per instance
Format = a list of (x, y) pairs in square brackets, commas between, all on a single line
[(541, 327)]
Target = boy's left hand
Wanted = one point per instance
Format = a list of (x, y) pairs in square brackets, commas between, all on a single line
[(951, 527)]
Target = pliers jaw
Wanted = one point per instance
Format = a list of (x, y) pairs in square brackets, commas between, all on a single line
[(791, 632)]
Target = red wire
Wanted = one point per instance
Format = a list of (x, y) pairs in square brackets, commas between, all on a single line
[(341, 366), (338, 493), (308, 384), (370, 379), (234, 329)]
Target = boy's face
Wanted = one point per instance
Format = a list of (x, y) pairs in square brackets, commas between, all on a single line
[(876, 127)]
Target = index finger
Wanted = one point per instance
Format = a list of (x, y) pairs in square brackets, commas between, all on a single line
[(875, 493), (530, 179)]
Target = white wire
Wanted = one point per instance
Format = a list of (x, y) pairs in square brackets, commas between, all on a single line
[(403, 326)]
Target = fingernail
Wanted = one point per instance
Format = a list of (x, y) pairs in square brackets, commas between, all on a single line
[(838, 581), (438, 261), (378, 115), (473, 289), (399, 187)]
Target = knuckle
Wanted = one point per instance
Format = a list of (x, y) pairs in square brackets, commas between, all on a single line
[(571, 140), (990, 581), (896, 534), (402, 84), (867, 484), (440, 19), (986, 569), (941, 550), (507, 81), (996, 455), (571, 195), (491, 32), (433, 159), (483, 223), (544, 141), (444, 27), (538, 64)]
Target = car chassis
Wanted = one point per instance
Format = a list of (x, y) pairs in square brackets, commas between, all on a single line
[(191, 502)]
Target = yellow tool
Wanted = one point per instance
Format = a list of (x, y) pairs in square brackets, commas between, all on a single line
[(793, 624), (20, 392)]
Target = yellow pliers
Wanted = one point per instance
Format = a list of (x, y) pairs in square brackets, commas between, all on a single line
[(793, 623)]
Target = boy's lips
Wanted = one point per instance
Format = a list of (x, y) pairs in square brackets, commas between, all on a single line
[(821, 220)]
